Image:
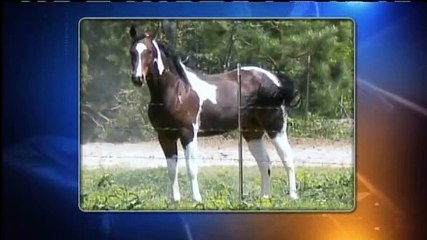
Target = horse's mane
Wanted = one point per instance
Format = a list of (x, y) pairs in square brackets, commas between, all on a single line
[(175, 59), (137, 39)]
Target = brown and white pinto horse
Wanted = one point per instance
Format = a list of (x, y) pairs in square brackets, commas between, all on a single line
[(186, 104)]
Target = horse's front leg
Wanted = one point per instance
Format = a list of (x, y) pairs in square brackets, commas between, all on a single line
[(189, 143), (169, 148)]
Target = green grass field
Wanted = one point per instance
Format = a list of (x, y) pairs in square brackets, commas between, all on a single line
[(148, 189)]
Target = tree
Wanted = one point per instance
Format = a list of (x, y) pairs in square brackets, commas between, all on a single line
[(114, 110)]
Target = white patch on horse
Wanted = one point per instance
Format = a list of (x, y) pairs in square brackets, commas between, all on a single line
[(269, 74), (191, 153), (286, 154), (140, 47), (285, 118), (159, 60), (173, 177), (204, 90), (258, 150)]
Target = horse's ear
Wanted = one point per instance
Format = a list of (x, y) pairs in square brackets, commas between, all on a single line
[(132, 32)]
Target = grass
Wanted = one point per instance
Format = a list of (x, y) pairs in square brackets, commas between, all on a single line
[(318, 127), (148, 189)]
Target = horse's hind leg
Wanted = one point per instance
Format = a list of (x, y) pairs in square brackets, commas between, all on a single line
[(170, 150), (256, 147), (281, 143)]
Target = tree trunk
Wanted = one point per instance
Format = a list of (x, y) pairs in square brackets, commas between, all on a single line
[(170, 31), (226, 62)]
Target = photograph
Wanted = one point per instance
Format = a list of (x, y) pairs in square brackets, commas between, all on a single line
[(223, 115)]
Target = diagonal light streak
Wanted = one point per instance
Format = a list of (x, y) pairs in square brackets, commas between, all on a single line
[(374, 93), (396, 98)]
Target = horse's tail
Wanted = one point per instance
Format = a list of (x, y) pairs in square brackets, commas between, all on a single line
[(286, 94)]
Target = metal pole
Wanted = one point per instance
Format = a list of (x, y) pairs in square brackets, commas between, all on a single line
[(240, 134), (308, 85)]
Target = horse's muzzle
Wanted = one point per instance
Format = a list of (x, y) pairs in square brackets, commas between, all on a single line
[(137, 81)]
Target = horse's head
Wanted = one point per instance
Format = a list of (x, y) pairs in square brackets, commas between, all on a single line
[(145, 57)]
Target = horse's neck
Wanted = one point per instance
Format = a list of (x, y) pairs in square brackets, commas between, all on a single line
[(159, 86), (155, 93)]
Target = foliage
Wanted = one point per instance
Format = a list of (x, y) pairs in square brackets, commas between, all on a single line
[(319, 189), (114, 110), (317, 127)]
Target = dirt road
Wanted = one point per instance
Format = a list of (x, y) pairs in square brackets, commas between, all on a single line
[(213, 151)]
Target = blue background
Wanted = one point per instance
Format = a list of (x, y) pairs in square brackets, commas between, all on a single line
[(40, 105)]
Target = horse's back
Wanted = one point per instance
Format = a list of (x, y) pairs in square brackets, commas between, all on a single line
[(218, 78)]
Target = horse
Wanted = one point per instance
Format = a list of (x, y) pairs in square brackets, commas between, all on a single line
[(186, 104)]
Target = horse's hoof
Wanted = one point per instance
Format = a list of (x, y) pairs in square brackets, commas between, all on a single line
[(293, 196), (175, 200), (197, 198), (265, 197)]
